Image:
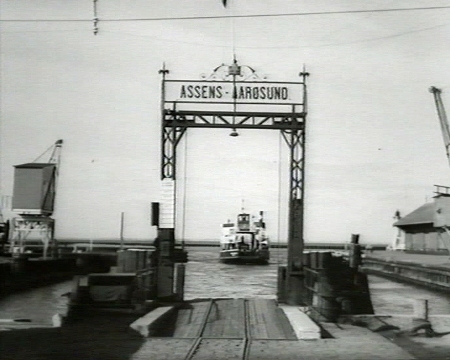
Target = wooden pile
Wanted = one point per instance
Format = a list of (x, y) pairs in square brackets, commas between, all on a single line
[(134, 260)]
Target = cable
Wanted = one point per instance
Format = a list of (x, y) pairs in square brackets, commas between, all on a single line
[(184, 191), (234, 33), (277, 47), (45, 152), (312, 13), (279, 197)]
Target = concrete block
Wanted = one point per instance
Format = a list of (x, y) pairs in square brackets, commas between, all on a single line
[(145, 324), (304, 328)]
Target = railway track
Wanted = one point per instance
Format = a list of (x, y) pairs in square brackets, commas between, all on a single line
[(229, 326)]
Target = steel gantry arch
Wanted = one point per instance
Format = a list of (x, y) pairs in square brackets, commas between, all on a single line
[(219, 96)]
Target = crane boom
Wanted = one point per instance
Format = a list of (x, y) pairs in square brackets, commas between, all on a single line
[(441, 202), (442, 119)]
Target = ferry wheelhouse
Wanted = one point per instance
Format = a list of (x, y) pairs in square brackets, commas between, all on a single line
[(245, 242)]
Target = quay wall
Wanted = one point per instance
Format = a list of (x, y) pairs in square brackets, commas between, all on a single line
[(23, 274), (115, 244), (430, 276)]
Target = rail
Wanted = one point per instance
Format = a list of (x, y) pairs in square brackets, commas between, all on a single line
[(197, 343)]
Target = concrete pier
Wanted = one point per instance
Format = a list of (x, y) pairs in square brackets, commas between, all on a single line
[(430, 271)]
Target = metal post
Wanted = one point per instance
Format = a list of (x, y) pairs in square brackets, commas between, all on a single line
[(166, 232), (121, 229), (295, 291)]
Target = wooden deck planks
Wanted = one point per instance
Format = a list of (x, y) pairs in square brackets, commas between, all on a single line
[(267, 321), (226, 319), (163, 349), (257, 326), (220, 349), (190, 321)]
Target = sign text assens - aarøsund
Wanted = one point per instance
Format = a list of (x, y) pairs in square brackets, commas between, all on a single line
[(238, 92)]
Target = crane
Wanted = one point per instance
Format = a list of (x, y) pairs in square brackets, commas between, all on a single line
[(442, 118), (441, 219), (33, 200)]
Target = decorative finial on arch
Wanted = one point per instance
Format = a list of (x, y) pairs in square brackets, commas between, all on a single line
[(304, 74), (235, 71), (163, 71)]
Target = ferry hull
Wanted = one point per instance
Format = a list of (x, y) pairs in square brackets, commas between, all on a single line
[(244, 257)]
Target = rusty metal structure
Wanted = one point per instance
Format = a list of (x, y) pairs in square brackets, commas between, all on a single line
[(236, 97)]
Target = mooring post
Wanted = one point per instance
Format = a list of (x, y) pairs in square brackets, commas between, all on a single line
[(420, 319), (354, 256), (165, 267), (281, 290), (421, 309), (180, 270)]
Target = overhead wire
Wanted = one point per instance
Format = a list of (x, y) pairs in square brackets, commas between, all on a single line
[(233, 16), (285, 47), (244, 16), (203, 44)]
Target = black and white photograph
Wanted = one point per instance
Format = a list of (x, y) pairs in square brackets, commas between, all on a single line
[(224, 179)]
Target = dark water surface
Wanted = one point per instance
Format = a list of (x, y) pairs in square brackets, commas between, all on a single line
[(206, 277)]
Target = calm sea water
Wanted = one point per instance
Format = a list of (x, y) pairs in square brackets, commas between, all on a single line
[(206, 277)]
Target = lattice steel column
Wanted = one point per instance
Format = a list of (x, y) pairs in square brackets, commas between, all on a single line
[(296, 141)]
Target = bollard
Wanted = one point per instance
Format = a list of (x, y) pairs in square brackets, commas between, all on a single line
[(354, 256), (420, 320), (324, 259), (329, 309), (421, 309), (314, 259), (324, 286), (306, 259), (355, 239), (180, 274), (282, 283)]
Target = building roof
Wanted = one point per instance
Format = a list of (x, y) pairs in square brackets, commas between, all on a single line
[(422, 215), (33, 165)]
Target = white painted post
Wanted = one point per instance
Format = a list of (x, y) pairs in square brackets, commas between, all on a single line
[(121, 229)]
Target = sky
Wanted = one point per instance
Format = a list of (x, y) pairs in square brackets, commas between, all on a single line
[(373, 141)]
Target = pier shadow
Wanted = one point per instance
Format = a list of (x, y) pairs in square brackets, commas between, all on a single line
[(105, 336)]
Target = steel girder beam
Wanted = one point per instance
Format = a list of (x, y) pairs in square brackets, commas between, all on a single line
[(175, 124), (236, 120)]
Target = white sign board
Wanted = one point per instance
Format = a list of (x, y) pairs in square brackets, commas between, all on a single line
[(241, 92)]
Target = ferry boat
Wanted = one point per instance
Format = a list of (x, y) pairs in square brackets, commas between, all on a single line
[(245, 241)]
